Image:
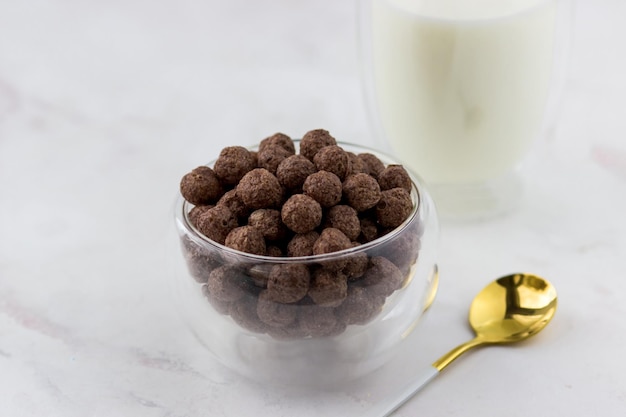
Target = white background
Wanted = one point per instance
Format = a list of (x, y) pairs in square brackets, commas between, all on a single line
[(104, 105)]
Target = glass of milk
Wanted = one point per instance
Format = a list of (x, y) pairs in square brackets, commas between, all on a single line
[(459, 89)]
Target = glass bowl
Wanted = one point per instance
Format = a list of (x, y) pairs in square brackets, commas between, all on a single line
[(392, 281)]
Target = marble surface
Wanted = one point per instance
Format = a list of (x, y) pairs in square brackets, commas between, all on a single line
[(104, 105)]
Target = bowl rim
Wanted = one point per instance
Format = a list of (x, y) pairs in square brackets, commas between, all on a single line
[(182, 219)]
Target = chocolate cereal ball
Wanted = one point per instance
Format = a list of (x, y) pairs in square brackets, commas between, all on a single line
[(233, 163), (331, 240), (279, 139), (275, 251), (234, 203), (394, 176), (259, 188), (224, 284), (269, 223), (288, 283), (356, 165), (201, 186), (245, 314), (302, 244), (316, 321), (323, 186), (369, 230), (328, 288), (301, 213), (359, 307), (216, 223), (196, 211), (259, 274), (200, 262), (394, 207), (274, 313), (374, 165), (356, 265), (315, 140), (382, 277), (220, 306), (293, 170), (344, 218), (271, 156), (333, 159), (361, 191), (255, 157), (246, 239), (403, 251)]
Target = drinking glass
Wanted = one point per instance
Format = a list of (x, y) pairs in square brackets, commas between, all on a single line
[(459, 90)]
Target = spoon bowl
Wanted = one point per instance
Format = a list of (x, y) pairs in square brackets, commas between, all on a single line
[(513, 308)]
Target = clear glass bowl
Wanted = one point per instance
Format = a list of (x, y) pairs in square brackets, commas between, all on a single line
[(309, 344)]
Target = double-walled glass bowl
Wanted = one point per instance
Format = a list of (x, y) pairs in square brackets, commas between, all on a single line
[(392, 281)]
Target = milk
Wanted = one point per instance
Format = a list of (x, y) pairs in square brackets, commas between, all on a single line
[(461, 85)]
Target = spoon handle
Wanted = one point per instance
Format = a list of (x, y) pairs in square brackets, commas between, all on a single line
[(447, 359), (425, 376)]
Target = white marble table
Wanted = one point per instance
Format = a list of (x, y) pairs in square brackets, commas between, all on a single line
[(105, 104)]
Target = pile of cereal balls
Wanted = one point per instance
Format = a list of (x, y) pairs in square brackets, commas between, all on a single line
[(280, 203)]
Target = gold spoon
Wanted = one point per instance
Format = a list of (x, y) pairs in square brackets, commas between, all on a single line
[(510, 309)]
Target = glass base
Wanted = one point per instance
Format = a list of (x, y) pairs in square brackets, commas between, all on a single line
[(478, 201)]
